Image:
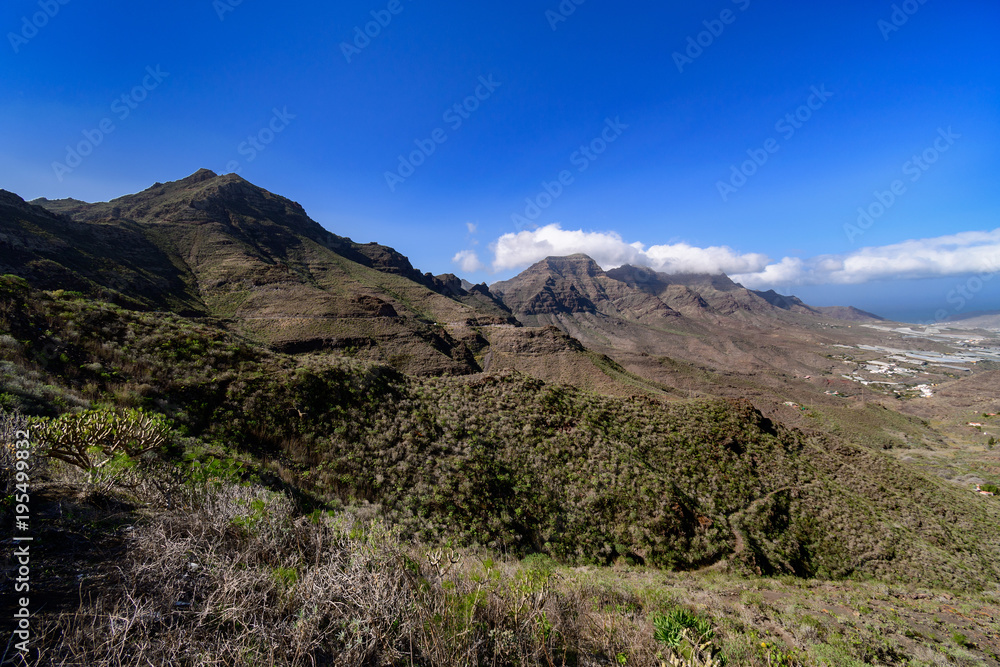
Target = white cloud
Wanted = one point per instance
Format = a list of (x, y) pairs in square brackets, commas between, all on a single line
[(609, 250), (468, 260), (472, 227), (955, 254), (785, 272), (683, 258)]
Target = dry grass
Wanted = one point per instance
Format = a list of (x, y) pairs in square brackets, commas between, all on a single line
[(10, 424), (239, 579), (235, 576)]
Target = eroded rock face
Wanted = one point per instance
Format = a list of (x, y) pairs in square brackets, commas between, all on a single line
[(375, 306), (557, 296), (576, 284), (704, 295)]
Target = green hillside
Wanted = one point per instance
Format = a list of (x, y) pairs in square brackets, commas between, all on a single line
[(511, 463)]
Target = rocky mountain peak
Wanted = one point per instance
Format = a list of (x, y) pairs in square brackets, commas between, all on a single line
[(571, 265), (201, 175)]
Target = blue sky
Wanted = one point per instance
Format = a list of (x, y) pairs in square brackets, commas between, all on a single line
[(888, 92)]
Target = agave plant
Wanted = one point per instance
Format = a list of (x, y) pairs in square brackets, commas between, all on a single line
[(688, 637), (695, 654), (673, 627)]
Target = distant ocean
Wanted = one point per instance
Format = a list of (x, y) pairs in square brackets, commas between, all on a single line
[(926, 316)]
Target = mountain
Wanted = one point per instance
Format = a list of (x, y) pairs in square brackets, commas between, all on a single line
[(785, 302), (576, 284), (848, 314), (219, 246), (696, 333), (112, 259), (709, 296), (980, 319)]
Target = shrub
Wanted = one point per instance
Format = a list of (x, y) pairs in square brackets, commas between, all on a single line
[(239, 578), (73, 437)]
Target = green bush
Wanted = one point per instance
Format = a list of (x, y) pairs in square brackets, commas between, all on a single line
[(74, 437)]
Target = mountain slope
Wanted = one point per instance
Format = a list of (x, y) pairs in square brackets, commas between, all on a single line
[(848, 313), (636, 309), (257, 259), (703, 334), (976, 319), (709, 297), (113, 258), (509, 462)]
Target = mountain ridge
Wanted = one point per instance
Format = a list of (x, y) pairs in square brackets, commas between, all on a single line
[(256, 258), (219, 246), (220, 197)]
